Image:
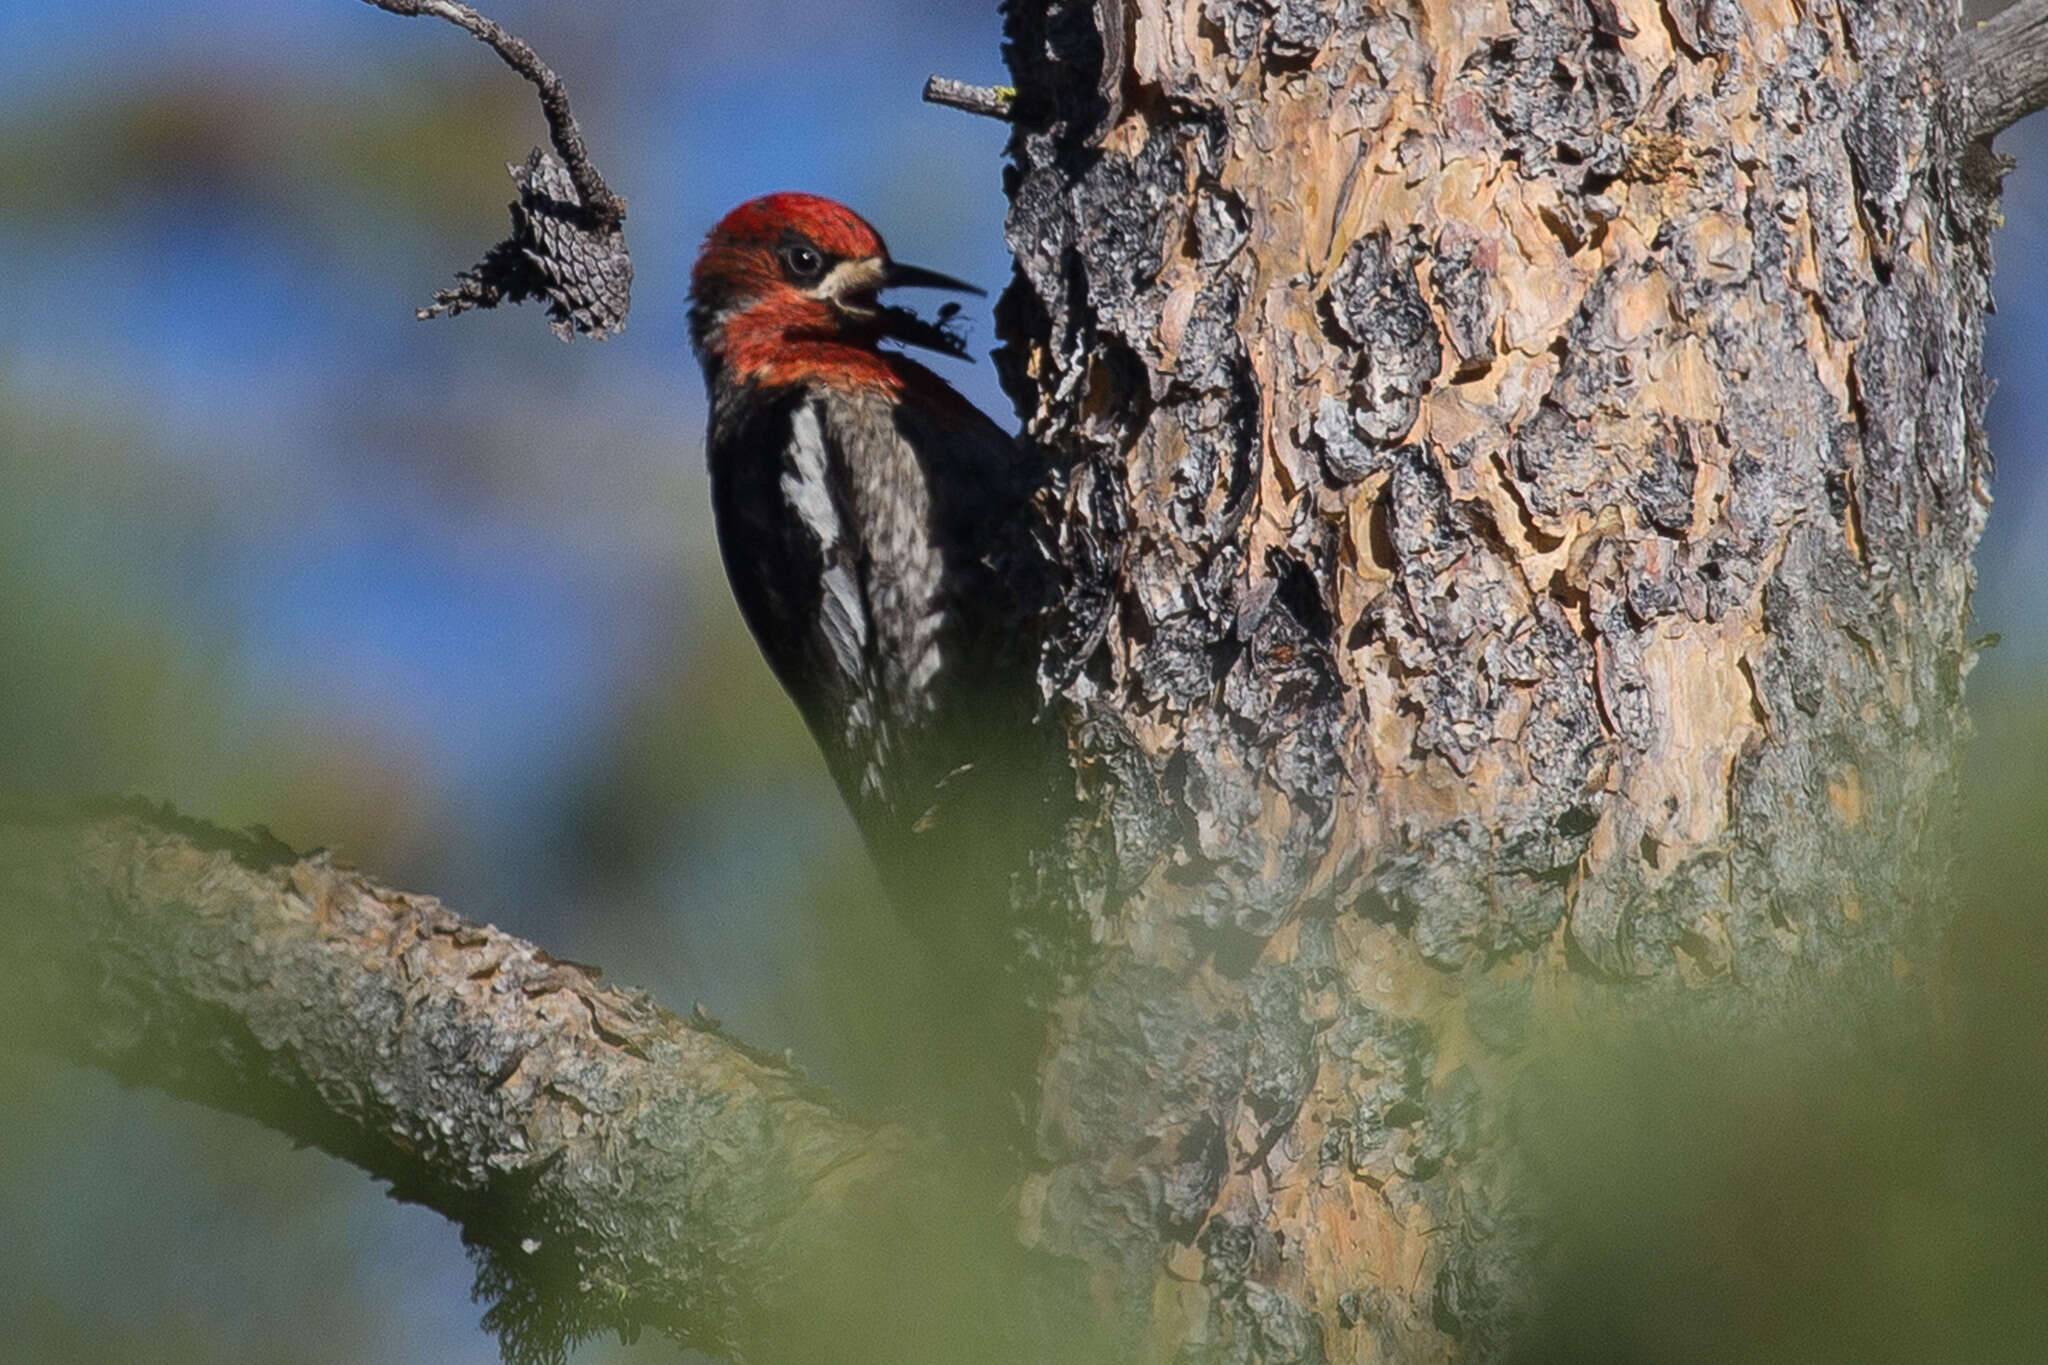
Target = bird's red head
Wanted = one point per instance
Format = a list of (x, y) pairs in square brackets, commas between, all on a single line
[(788, 282)]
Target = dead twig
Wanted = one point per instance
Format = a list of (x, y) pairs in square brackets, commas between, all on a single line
[(568, 243), (990, 101)]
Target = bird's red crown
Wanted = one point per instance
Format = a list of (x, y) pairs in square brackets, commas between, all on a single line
[(766, 221)]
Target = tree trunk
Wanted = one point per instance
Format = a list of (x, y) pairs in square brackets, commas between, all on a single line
[(1522, 465)]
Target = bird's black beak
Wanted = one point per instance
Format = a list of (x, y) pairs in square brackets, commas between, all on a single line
[(901, 324), (895, 276)]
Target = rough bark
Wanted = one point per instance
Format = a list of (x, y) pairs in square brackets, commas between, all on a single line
[(1522, 462)]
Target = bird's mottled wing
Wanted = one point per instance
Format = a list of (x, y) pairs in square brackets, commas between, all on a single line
[(794, 557)]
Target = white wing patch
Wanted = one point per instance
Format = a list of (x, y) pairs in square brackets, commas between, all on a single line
[(844, 620), (842, 610), (803, 483), (926, 667)]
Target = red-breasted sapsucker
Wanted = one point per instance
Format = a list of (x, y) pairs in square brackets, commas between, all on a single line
[(873, 522)]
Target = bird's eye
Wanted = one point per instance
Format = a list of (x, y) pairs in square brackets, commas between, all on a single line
[(803, 261)]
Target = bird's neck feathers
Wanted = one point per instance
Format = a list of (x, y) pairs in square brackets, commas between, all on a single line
[(782, 343)]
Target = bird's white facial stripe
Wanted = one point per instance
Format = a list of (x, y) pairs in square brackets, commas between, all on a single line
[(850, 278), (803, 483)]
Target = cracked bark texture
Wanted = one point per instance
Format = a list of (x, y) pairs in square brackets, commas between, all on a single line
[(1522, 462)]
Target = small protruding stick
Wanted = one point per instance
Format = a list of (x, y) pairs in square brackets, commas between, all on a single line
[(990, 101), (1997, 73)]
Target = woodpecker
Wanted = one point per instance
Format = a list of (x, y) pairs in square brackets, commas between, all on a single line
[(872, 521)]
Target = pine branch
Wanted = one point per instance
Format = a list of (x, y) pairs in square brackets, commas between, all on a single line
[(611, 1165)]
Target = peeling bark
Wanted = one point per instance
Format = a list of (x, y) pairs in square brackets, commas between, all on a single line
[(1522, 464)]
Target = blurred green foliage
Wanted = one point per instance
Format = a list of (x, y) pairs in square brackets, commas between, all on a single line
[(1798, 1196)]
